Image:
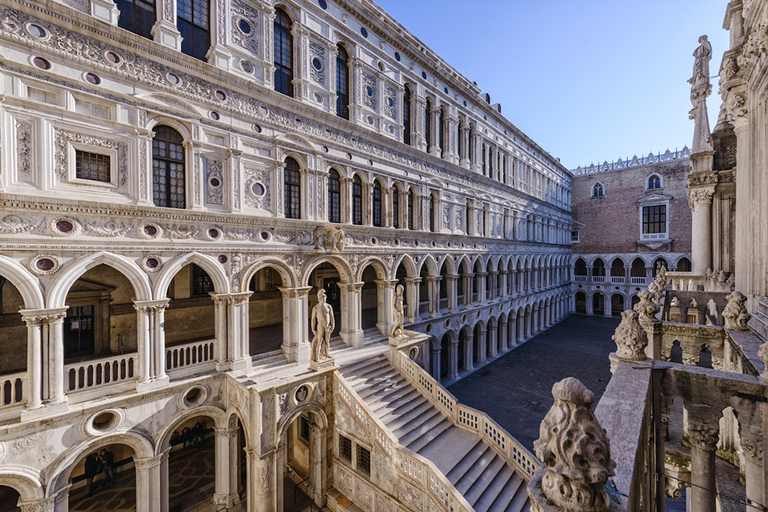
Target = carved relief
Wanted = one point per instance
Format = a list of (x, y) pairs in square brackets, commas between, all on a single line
[(214, 182), (317, 62), (390, 102), (64, 137), (257, 189), (630, 337), (24, 146), (368, 93), (108, 228), (699, 196), (245, 18), (13, 224), (735, 313)]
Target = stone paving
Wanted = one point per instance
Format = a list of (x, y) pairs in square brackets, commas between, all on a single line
[(516, 389)]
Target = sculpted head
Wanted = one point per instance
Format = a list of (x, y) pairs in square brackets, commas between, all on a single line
[(399, 290), (321, 296)]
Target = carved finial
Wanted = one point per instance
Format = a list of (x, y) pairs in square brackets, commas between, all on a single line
[(575, 452), (647, 306), (735, 312), (630, 337)]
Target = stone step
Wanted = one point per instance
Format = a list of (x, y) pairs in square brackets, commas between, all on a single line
[(380, 390), (356, 368), (508, 493), (466, 463), (391, 399), (373, 374), (402, 415), (520, 502), (418, 438), (473, 489), (483, 499), (477, 469), (416, 424)]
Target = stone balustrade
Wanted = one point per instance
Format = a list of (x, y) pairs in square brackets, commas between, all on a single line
[(411, 466), (468, 418), (13, 396), (95, 373), (186, 359)]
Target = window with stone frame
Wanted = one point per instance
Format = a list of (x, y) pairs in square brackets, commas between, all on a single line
[(137, 16), (193, 22), (364, 460), (283, 52), (407, 115), (334, 196), (428, 124), (654, 221), (410, 209), (376, 203), (575, 235), (302, 432), (654, 182), (598, 190), (395, 206), (342, 83), (345, 448), (441, 131), (92, 166), (292, 189), (357, 200), (168, 175)]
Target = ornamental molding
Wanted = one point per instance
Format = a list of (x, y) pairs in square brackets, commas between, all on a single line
[(65, 138), (700, 196), (703, 178)]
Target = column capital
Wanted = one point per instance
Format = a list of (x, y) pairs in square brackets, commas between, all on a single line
[(43, 505), (151, 462), (225, 432), (295, 293), (412, 280), (235, 298), (386, 283), (350, 287), (150, 305), (700, 196), (41, 316), (703, 427)]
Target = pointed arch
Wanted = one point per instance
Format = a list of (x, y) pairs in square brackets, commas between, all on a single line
[(57, 295), (378, 265), (407, 262), (432, 268)]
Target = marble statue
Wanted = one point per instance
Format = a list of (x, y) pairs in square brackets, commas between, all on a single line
[(398, 331), (323, 324), (702, 54), (735, 313)]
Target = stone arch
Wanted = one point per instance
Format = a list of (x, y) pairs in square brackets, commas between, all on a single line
[(481, 260), (27, 285), (140, 443), (163, 437), (57, 294), (24, 480), (207, 263), (296, 140), (341, 266), (287, 273), (447, 260), (378, 265), (408, 264), (285, 421), (290, 10), (432, 268), (180, 127), (464, 262)]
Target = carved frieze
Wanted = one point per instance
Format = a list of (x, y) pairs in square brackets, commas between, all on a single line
[(24, 148), (368, 93), (317, 62), (214, 182)]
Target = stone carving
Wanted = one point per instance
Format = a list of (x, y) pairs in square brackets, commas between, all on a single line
[(328, 238), (398, 332), (735, 313), (13, 224), (702, 434), (702, 54), (390, 102), (64, 137), (675, 302), (24, 146), (730, 67), (762, 353), (699, 196), (317, 51), (181, 232), (109, 228), (575, 451), (369, 85), (737, 106), (257, 186), (630, 337), (647, 307), (214, 182), (323, 323)]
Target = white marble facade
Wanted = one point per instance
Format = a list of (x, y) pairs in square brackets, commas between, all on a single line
[(475, 222)]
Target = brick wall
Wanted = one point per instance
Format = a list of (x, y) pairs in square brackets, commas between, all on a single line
[(611, 224)]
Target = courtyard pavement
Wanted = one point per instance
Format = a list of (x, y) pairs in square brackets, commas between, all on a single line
[(516, 389)]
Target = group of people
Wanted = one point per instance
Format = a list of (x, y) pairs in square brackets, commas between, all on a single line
[(96, 463), (192, 436)]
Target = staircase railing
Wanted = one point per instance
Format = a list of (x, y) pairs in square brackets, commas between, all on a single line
[(468, 418), (409, 464)]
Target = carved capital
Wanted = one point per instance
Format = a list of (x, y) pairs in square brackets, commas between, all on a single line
[(144, 306), (703, 434), (34, 317), (700, 196), (630, 337)]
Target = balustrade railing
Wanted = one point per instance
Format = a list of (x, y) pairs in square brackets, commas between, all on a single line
[(637, 280), (12, 388), (580, 279), (617, 279), (194, 354), (598, 279), (470, 419), (409, 464), (98, 372)]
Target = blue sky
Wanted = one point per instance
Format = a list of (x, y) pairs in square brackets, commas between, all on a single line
[(589, 81)]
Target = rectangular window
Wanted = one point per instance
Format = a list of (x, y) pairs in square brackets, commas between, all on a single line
[(364, 460), (575, 236), (345, 448), (303, 432), (655, 221), (92, 166)]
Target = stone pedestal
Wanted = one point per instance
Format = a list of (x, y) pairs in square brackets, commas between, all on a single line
[(323, 365)]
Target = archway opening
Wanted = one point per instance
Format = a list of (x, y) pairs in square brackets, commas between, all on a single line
[(104, 479), (369, 299), (445, 357), (191, 314), (100, 330), (425, 305), (461, 357), (598, 304), (303, 466), (598, 270), (325, 277), (9, 498), (444, 284), (617, 271), (477, 269), (461, 297), (265, 312), (617, 304), (581, 302), (477, 345), (684, 265), (13, 350), (637, 272), (191, 464)]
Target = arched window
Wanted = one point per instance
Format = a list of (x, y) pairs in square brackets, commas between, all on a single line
[(292, 181), (468, 218), (441, 132), (658, 264), (283, 43), (410, 209), (193, 22), (168, 176), (483, 160), (654, 182), (428, 125), (395, 207), (407, 115), (376, 203), (137, 16), (334, 197), (471, 148), (357, 200), (597, 190), (461, 141), (432, 219), (684, 265), (342, 83), (503, 167)]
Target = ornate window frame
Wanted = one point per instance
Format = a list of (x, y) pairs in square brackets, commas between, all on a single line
[(113, 154), (648, 181), (595, 190), (654, 200)]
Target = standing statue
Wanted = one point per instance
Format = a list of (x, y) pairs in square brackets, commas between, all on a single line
[(702, 55), (323, 324), (398, 331)]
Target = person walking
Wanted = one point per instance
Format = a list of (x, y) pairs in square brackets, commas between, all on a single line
[(107, 461)]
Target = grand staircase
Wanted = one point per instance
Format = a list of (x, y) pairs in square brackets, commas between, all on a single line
[(478, 472)]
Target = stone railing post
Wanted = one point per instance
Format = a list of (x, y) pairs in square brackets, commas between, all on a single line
[(575, 452), (703, 434)]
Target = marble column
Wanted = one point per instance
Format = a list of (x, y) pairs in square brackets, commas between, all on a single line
[(503, 333), (535, 315), (450, 284), (296, 313), (261, 482), (226, 495), (700, 201), (351, 313), (512, 338), (412, 298), (469, 352), (151, 343), (468, 289), (493, 333), (703, 433), (318, 466), (385, 313), (453, 360), (480, 280), (482, 345), (752, 437), (152, 483), (434, 363)]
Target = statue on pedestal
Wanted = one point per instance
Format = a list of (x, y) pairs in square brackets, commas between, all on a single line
[(702, 54), (398, 331), (322, 323)]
